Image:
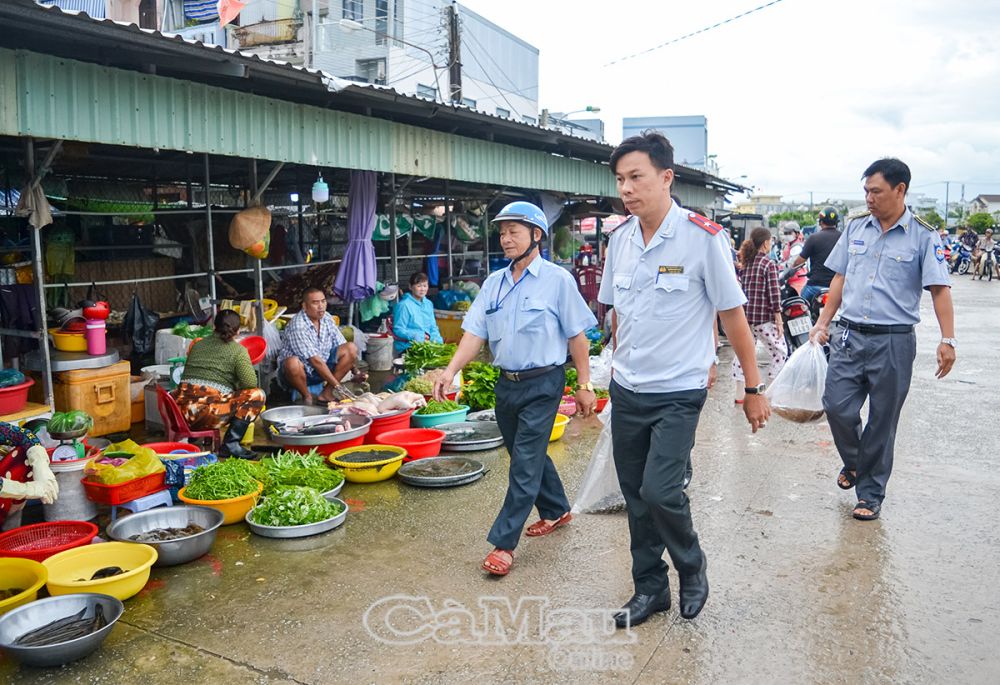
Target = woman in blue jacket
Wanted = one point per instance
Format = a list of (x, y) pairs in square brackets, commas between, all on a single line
[(414, 319)]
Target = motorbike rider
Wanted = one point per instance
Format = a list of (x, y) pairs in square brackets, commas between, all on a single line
[(791, 248), (969, 240), (983, 260), (816, 249)]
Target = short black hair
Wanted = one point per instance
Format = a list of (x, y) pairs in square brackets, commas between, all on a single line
[(227, 324), (309, 291), (894, 172), (653, 143), (419, 277)]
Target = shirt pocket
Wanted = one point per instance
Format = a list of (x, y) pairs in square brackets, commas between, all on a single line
[(623, 293), (532, 314), (899, 262), (856, 254), (668, 291), (495, 326)]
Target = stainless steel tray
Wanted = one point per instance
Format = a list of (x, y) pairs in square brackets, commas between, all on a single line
[(470, 436), (454, 471), (361, 426), (484, 415), (299, 531), (290, 413)]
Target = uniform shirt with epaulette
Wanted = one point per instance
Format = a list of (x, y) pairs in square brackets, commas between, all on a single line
[(886, 272), (666, 295)]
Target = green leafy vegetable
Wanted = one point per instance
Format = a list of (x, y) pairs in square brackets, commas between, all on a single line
[(419, 385), (601, 392), (427, 355), (292, 468), (571, 379), (479, 385), (435, 407), (186, 330), (294, 506), (70, 421), (225, 480)]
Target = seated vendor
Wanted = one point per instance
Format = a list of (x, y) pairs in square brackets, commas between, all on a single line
[(315, 352), (219, 386), (24, 473), (414, 319)]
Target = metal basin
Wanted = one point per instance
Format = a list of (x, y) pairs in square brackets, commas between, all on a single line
[(171, 552), (359, 427), (29, 617), (290, 413), (303, 530)]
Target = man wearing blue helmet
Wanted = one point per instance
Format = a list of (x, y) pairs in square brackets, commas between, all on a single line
[(529, 312)]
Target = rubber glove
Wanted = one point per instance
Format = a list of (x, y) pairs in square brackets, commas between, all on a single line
[(38, 460), (12, 489)]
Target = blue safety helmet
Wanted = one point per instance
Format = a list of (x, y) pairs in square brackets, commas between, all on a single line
[(524, 212)]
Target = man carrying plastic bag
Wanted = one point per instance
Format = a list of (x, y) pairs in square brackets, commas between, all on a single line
[(797, 393)]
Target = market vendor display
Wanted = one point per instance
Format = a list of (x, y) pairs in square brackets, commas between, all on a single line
[(219, 386), (315, 356), (24, 471), (414, 319), (530, 313)]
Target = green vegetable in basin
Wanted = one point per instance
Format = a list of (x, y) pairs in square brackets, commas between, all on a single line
[(435, 407), (225, 480), (428, 355), (479, 385), (292, 468), (294, 506)]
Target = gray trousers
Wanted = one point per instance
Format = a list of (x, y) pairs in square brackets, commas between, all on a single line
[(877, 367), (525, 413), (652, 435)]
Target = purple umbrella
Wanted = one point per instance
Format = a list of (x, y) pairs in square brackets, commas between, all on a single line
[(357, 275)]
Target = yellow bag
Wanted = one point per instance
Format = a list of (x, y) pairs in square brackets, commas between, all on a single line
[(143, 462)]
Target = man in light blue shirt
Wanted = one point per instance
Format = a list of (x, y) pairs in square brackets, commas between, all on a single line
[(667, 272), (529, 313), (883, 262)]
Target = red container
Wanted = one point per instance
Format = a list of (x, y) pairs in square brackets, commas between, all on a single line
[(602, 402), (14, 397), (418, 442), (171, 447), (448, 395), (256, 347), (390, 423), (328, 449), (124, 492), (41, 540)]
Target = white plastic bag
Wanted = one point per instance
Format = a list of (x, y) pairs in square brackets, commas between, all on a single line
[(600, 492), (600, 369), (797, 393)]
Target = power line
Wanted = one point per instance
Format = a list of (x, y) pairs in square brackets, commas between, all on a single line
[(487, 75), (694, 33)]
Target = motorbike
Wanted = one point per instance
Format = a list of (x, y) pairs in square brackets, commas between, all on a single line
[(964, 261), (990, 265), (794, 312)]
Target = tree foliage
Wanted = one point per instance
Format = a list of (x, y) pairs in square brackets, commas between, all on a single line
[(933, 218), (980, 221), (805, 218)]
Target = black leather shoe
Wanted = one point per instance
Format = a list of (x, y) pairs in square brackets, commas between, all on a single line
[(638, 609), (694, 591)]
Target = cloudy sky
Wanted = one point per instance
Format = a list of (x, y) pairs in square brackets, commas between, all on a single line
[(800, 96)]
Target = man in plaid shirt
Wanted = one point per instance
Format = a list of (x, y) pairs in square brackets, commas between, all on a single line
[(760, 284), (314, 352)]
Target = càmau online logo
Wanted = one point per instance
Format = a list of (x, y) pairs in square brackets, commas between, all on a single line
[(408, 620)]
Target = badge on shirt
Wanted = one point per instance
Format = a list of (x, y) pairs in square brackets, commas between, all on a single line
[(671, 269), (939, 253), (858, 242)]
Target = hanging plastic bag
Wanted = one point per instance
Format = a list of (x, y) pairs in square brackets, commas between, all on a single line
[(140, 327), (273, 338), (600, 368), (797, 393), (600, 492)]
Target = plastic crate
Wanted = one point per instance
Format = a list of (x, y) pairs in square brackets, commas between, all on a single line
[(124, 492), (41, 540)]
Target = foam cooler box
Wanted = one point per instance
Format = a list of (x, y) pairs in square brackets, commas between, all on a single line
[(102, 393)]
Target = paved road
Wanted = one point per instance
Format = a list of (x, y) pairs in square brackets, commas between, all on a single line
[(800, 591)]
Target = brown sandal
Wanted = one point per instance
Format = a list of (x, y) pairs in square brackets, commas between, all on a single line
[(544, 527), (496, 564)]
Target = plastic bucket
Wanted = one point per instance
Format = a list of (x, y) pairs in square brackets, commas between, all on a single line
[(72, 504), (379, 352), (390, 423), (97, 339)]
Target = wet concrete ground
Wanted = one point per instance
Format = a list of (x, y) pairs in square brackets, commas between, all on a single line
[(800, 591)]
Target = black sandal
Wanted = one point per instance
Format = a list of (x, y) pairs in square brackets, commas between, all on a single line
[(874, 507), (849, 476)]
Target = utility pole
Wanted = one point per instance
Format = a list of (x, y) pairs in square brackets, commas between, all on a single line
[(454, 55), (946, 184), (810, 200)]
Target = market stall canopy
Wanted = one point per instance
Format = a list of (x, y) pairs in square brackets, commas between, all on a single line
[(358, 273)]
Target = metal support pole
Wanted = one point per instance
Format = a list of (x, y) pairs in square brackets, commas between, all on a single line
[(39, 274), (393, 248), (258, 274), (211, 242), (447, 226)]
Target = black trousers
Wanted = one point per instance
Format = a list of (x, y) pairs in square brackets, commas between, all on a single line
[(525, 412), (652, 435)]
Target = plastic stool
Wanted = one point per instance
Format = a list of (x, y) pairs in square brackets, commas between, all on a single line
[(161, 498)]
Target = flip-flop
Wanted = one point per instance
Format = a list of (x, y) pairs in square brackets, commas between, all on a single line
[(874, 507), (543, 527), (849, 477), (497, 565)]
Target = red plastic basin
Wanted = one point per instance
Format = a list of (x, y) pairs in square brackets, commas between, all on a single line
[(602, 402), (418, 442), (171, 447), (14, 397), (256, 346), (391, 423), (328, 449)]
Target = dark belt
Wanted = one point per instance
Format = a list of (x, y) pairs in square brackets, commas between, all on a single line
[(528, 374), (876, 329)]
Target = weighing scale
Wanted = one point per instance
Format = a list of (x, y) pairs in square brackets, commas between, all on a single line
[(70, 445)]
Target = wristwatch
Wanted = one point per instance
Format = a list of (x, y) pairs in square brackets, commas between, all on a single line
[(950, 341), (586, 386), (755, 389)]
